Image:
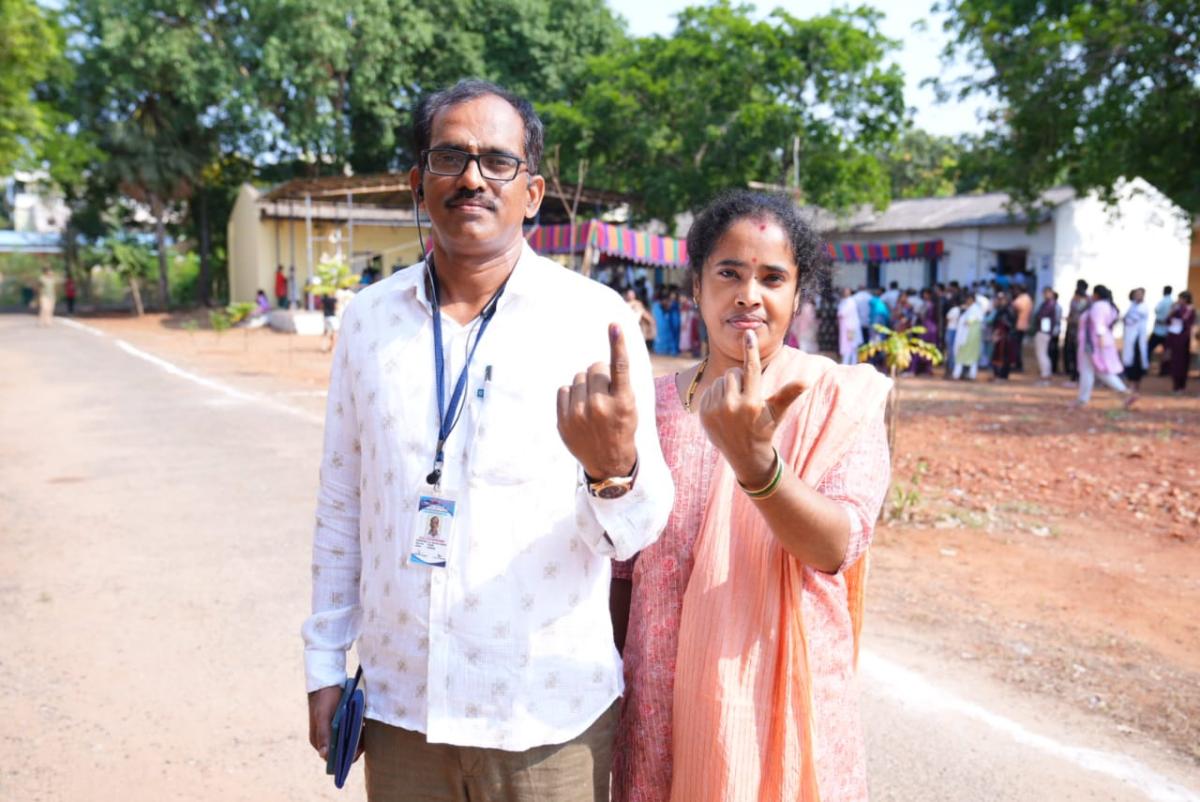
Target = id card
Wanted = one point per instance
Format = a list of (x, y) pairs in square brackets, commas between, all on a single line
[(1046, 325), (1175, 326), (435, 524)]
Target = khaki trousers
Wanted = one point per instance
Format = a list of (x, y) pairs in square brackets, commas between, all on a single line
[(401, 766)]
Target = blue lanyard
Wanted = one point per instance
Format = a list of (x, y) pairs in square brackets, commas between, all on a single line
[(448, 416)]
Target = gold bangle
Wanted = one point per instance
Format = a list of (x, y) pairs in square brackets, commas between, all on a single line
[(770, 487)]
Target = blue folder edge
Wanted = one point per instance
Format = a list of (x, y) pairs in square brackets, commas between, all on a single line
[(346, 730)]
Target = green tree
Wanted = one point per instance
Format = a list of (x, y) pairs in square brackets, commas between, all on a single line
[(30, 54), (133, 263), (728, 100), (159, 87), (1087, 92), (922, 165), (340, 80)]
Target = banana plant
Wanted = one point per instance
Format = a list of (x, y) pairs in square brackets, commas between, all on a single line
[(898, 348)]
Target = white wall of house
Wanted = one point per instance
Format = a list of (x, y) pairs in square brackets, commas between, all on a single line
[(1141, 242), (971, 253)]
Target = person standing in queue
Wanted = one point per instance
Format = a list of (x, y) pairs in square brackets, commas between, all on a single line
[(487, 647)]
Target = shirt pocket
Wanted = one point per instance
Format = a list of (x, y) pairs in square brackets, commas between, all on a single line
[(516, 436)]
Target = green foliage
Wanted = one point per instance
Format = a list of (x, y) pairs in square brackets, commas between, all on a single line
[(905, 500), (333, 275), (238, 312), (899, 348), (340, 80), (31, 52), (922, 165), (722, 101), (1088, 92), (130, 259), (219, 320), (185, 273), (17, 271)]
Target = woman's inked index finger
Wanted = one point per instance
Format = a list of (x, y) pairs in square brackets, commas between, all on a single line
[(753, 371)]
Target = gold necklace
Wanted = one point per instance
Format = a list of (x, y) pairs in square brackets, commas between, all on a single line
[(691, 391)]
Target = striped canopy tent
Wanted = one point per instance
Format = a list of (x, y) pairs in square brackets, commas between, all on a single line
[(621, 242), (891, 252)]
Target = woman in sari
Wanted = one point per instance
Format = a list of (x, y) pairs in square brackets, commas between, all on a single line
[(743, 618), (968, 337), (1179, 340)]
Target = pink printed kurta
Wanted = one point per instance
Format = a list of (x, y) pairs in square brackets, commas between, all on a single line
[(642, 752)]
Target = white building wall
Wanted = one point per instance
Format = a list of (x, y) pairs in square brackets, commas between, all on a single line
[(970, 255), (1141, 242), (971, 252)]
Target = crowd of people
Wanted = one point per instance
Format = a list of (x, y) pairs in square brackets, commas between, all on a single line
[(987, 325)]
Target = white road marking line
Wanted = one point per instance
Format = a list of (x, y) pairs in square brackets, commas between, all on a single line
[(75, 324), (914, 691), (224, 389)]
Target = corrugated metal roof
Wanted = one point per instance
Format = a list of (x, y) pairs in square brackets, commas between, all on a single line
[(29, 242), (931, 214)]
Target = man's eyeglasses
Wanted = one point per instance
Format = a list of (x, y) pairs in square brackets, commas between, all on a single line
[(452, 161)]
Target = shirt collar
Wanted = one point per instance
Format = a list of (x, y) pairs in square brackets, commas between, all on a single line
[(520, 282)]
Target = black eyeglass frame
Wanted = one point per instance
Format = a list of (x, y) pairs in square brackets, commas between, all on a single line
[(472, 157)]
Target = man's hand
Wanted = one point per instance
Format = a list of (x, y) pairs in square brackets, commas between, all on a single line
[(597, 415), (740, 422), (322, 704)]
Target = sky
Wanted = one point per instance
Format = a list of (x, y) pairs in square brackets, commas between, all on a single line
[(918, 56)]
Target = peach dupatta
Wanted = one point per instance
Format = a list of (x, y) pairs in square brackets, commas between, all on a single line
[(742, 719)]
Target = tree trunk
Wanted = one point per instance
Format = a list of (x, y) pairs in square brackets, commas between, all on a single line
[(160, 238), (204, 283), (138, 309)]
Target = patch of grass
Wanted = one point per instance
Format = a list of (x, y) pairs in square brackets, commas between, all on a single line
[(1022, 508)]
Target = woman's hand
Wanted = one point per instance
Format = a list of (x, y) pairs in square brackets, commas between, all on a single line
[(740, 422)]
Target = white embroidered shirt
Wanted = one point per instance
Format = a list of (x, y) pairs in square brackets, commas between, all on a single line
[(510, 645)]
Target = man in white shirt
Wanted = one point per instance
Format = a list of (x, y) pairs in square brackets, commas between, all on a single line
[(862, 304), (892, 295), (486, 641)]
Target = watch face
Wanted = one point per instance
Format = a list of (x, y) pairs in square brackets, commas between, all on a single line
[(613, 491)]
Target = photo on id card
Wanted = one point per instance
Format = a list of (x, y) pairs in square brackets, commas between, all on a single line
[(435, 522)]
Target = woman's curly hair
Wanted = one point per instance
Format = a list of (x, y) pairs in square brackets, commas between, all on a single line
[(808, 250)]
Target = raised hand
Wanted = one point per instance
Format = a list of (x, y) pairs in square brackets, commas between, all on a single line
[(597, 414), (740, 422)]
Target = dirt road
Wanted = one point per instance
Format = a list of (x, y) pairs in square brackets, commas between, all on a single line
[(154, 526)]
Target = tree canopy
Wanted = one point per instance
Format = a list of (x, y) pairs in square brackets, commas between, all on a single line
[(31, 53), (165, 106), (1088, 92), (729, 100)]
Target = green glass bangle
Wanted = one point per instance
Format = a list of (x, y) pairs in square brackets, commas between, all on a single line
[(771, 486)]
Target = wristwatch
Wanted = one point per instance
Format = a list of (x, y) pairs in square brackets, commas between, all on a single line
[(612, 488)]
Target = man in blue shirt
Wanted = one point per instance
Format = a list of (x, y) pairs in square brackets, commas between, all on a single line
[(1162, 311)]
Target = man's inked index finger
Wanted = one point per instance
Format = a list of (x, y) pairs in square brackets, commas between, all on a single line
[(753, 371), (619, 359)]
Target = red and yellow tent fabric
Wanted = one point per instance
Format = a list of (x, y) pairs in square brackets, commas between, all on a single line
[(631, 245), (621, 242), (891, 252)]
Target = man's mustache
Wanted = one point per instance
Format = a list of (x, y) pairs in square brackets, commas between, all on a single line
[(471, 196)]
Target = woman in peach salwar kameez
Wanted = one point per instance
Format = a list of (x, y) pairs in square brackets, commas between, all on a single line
[(743, 617)]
